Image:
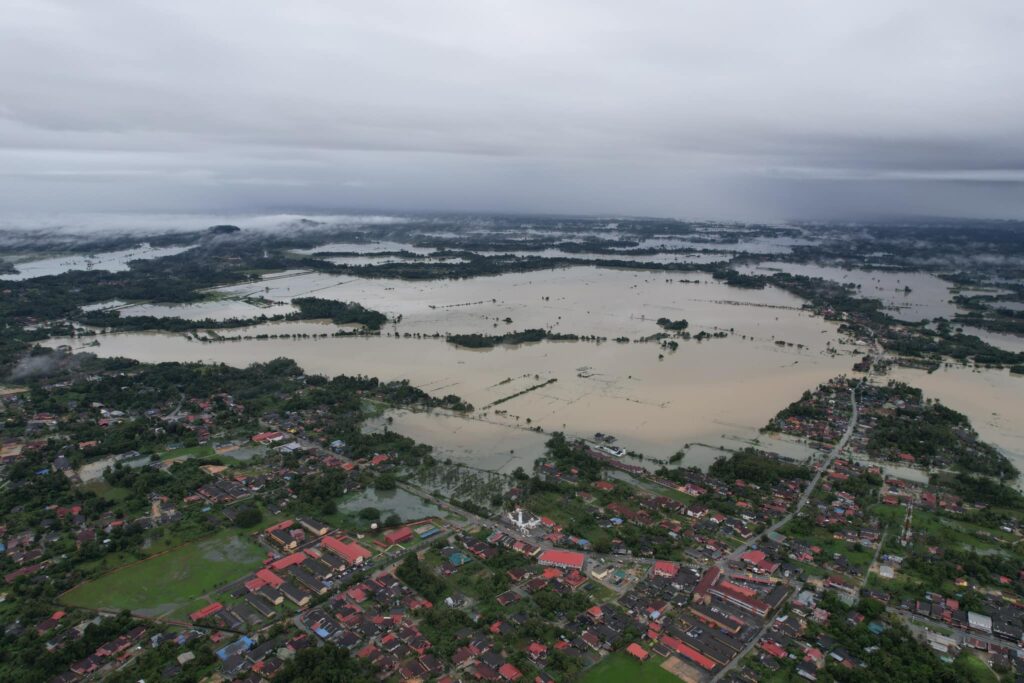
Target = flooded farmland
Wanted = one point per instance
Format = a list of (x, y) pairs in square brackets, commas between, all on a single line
[(653, 400), (474, 441), (400, 502), (112, 261), (909, 296), (708, 394)]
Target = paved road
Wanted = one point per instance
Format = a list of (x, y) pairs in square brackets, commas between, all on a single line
[(734, 555), (874, 559), (833, 454), (960, 634), (797, 587), (507, 528)]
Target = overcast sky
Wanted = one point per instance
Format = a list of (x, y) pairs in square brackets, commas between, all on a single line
[(737, 110)]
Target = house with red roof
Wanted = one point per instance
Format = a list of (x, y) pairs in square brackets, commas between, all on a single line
[(753, 557), (772, 648), (537, 651), (509, 672), (638, 652), (574, 579), (267, 437), (665, 568), (280, 525), (288, 560)]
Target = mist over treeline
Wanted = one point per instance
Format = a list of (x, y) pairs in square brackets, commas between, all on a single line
[(104, 232)]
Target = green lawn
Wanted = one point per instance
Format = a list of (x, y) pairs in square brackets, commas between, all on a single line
[(890, 515), (172, 582), (965, 534), (829, 546), (568, 513), (104, 490), (684, 498), (976, 669), (621, 667)]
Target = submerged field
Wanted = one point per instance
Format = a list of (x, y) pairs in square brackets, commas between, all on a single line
[(174, 582), (655, 400), (708, 395)]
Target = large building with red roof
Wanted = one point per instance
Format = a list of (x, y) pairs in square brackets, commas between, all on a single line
[(400, 535), (353, 553), (269, 578), (566, 559), (690, 653), (207, 611)]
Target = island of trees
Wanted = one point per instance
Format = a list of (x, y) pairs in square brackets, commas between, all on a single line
[(482, 341)]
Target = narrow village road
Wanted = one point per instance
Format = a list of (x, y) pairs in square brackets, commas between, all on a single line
[(913, 620), (510, 530), (735, 554), (808, 492), (874, 559)]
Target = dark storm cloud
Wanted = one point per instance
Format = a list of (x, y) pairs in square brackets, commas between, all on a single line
[(735, 110)]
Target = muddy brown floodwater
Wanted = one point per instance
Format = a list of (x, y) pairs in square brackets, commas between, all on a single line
[(716, 392)]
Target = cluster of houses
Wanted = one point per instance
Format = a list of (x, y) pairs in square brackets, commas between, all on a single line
[(310, 560), (998, 618), (820, 416), (703, 532), (109, 654), (373, 619)]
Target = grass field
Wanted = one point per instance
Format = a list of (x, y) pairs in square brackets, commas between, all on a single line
[(568, 513), (890, 515), (104, 490), (976, 669), (173, 582), (822, 538), (951, 532), (624, 668)]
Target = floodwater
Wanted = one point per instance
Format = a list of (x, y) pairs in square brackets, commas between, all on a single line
[(93, 471), (213, 310), (579, 300), (716, 391), (706, 395), (929, 297), (915, 474), (399, 501), (112, 261), (468, 440), (993, 400), (1000, 340), (640, 258), (710, 394)]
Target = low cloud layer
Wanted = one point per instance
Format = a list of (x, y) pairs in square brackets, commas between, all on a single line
[(744, 110)]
